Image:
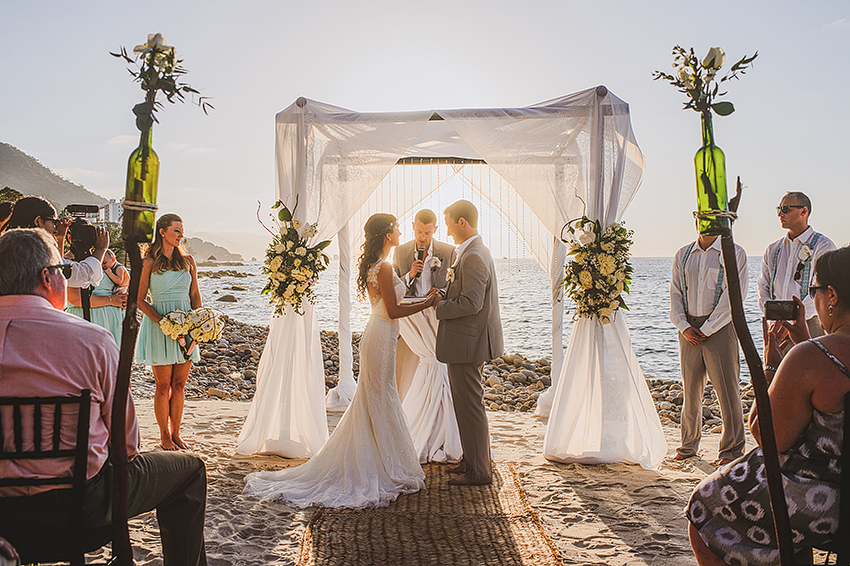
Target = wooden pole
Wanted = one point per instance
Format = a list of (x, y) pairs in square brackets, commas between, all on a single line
[(121, 547), (773, 473)]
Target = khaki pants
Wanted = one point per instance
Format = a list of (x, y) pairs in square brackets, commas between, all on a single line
[(717, 357)]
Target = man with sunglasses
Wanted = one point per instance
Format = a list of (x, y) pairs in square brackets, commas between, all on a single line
[(787, 267), (45, 352)]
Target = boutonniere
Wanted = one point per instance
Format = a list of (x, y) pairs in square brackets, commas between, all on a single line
[(805, 252), (450, 274), (436, 263)]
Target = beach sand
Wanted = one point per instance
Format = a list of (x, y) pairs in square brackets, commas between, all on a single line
[(613, 514)]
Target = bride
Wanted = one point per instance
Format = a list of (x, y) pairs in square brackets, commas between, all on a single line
[(369, 459)]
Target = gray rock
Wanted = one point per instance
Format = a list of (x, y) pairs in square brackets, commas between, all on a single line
[(228, 299)]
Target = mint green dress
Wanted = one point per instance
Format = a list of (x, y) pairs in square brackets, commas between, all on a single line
[(169, 292), (110, 318)]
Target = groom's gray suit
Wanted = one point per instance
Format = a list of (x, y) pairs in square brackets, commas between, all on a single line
[(470, 333)]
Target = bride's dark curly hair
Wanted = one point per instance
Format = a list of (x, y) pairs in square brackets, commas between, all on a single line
[(378, 226)]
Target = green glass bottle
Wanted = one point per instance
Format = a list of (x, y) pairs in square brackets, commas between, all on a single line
[(710, 168), (140, 194)]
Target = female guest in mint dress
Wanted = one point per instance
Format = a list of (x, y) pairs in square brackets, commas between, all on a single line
[(171, 276), (108, 299)]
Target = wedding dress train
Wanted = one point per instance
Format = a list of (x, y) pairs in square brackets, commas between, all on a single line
[(369, 460)]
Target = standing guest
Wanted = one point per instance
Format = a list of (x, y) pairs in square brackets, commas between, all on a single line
[(44, 353), (699, 308), (109, 298), (729, 511), (786, 268), (36, 212), (469, 334), (171, 276)]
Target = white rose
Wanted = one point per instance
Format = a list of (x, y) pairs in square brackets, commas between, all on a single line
[(300, 251), (804, 253), (279, 248), (586, 237), (296, 224), (715, 58)]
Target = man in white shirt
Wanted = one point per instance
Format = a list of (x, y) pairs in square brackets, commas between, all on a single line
[(700, 310), (787, 267)]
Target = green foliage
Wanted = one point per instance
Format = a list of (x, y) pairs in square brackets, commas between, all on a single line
[(698, 80), (8, 194), (158, 70)]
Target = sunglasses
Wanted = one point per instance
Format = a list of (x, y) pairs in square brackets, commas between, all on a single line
[(814, 288), (786, 208), (64, 268), (799, 272)]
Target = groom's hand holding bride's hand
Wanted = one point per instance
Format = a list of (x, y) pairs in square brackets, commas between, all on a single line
[(434, 296)]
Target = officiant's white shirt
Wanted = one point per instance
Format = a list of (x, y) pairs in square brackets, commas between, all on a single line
[(423, 282)]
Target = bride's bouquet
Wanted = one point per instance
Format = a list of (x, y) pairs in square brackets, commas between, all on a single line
[(600, 271), (202, 325)]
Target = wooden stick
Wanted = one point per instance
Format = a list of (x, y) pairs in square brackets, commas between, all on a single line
[(773, 472), (121, 547)]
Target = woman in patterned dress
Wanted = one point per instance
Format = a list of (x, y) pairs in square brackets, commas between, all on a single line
[(730, 516)]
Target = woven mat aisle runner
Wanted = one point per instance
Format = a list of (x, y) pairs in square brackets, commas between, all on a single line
[(492, 524)]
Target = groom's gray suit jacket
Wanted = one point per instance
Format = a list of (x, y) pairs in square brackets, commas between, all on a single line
[(470, 328)]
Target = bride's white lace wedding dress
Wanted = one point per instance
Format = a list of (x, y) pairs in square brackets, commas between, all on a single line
[(369, 459)]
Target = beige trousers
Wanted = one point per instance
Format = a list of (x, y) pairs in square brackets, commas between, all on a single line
[(718, 357), (468, 400)]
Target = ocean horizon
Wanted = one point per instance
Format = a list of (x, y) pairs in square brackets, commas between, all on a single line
[(525, 303)]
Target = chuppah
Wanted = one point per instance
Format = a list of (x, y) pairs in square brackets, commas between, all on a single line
[(561, 159)]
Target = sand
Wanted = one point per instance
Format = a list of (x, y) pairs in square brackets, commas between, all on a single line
[(614, 514)]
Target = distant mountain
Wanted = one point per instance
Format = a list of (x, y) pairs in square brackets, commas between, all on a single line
[(202, 251), (26, 175)]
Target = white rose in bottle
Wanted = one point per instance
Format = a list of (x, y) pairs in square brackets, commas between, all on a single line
[(714, 59)]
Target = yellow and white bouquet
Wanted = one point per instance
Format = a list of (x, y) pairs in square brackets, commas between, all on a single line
[(291, 265), (599, 272), (174, 324), (204, 325)]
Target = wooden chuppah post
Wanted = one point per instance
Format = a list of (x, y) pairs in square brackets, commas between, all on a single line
[(773, 474)]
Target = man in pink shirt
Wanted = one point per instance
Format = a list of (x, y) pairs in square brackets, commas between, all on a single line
[(46, 352)]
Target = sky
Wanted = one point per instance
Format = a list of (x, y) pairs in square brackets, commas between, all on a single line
[(67, 102)]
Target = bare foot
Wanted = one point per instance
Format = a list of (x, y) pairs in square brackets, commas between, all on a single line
[(167, 444), (722, 461), (678, 456), (179, 442)]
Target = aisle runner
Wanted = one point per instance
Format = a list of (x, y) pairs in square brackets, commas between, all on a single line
[(493, 525)]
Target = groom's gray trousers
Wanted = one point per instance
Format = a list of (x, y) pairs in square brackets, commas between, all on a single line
[(467, 397)]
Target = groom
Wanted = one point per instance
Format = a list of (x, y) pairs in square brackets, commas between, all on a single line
[(469, 334)]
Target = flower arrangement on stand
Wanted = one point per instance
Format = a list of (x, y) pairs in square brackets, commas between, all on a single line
[(599, 272), (700, 82), (202, 325), (291, 265)]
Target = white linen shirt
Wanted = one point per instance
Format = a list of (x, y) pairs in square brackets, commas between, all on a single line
[(701, 275), (784, 286), (85, 273), (423, 282)]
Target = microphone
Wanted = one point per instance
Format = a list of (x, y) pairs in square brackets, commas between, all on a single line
[(420, 255)]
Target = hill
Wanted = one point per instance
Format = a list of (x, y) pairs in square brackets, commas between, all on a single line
[(202, 250), (29, 177)]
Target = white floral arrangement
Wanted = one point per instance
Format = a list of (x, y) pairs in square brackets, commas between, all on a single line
[(436, 263), (291, 265), (599, 272)]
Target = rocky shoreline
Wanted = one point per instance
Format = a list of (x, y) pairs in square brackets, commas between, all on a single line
[(228, 370)]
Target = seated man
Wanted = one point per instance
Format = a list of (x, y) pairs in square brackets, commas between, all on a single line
[(46, 352)]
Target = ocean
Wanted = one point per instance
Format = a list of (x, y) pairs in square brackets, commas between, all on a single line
[(524, 297)]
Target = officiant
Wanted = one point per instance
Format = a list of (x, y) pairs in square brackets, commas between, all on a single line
[(421, 263)]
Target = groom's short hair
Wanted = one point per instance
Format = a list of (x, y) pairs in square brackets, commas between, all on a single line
[(463, 209), (426, 216)]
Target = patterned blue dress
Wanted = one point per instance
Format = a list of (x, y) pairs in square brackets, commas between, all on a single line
[(110, 318), (169, 292), (731, 507)]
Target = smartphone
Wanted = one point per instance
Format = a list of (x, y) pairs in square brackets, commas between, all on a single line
[(780, 310)]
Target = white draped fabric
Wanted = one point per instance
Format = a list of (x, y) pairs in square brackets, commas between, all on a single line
[(563, 158), (287, 416), (427, 402)]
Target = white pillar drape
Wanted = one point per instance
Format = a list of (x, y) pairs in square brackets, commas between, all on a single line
[(338, 398)]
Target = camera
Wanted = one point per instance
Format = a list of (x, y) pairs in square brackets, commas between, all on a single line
[(780, 310), (81, 232)]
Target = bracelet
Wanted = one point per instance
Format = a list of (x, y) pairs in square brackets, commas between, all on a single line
[(770, 368)]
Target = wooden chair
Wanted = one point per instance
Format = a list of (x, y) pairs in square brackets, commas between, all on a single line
[(51, 528)]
